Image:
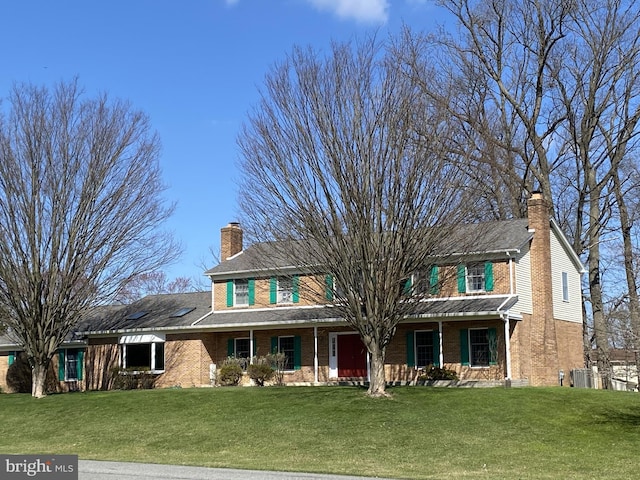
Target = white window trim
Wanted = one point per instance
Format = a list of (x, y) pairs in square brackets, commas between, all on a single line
[(280, 291), (235, 293), (565, 287), (415, 346), (152, 339), (469, 283), (479, 367)]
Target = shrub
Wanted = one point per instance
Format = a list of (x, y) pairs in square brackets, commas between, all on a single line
[(260, 371), (131, 379), (230, 372), (278, 362), (438, 373)]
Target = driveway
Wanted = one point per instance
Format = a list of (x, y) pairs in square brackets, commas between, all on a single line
[(93, 470)]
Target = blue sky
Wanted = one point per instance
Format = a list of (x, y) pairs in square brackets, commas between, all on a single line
[(195, 67)]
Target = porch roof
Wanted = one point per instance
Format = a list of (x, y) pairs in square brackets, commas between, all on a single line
[(456, 307)]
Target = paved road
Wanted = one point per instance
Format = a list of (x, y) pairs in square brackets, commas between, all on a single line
[(93, 470)]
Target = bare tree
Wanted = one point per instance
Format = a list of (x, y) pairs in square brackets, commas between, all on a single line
[(546, 93), (344, 157), (152, 283), (80, 203)]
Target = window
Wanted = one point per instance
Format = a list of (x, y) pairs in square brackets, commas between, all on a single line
[(424, 349), (143, 356), (479, 347), (241, 292), (290, 346), (70, 364), (240, 348), (475, 277), (426, 281), (284, 290), (565, 287)]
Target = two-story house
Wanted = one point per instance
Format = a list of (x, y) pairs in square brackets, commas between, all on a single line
[(509, 309)]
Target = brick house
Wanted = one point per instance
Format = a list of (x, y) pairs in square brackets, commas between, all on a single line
[(510, 310)]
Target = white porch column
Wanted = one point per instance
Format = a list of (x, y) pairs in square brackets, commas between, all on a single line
[(315, 354), (440, 353), (507, 346), (251, 349)]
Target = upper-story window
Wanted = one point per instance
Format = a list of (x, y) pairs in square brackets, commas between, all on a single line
[(475, 277), (240, 292), (284, 290), (426, 282), (565, 287)]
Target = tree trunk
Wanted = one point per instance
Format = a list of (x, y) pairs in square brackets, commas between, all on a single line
[(39, 376), (377, 380), (629, 269), (595, 287)]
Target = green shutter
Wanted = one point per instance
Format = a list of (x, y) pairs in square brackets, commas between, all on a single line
[(12, 358), (295, 286), (411, 354), (252, 291), (433, 280), (79, 363), (229, 293), (273, 290), (328, 281), (297, 352), (255, 346), (406, 289), (436, 348), (462, 280), (493, 346), (230, 347), (488, 276), (464, 346), (61, 365), (274, 344)]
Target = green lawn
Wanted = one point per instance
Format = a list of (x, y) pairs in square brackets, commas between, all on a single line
[(542, 433)]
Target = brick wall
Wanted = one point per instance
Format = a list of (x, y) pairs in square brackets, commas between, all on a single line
[(311, 290)]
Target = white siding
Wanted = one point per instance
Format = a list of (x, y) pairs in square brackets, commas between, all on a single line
[(561, 262), (523, 282)]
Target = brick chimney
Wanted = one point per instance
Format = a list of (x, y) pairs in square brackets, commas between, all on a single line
[(544, 346), (230, 240)]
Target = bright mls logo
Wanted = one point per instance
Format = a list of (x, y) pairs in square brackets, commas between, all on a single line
[(49, 467)]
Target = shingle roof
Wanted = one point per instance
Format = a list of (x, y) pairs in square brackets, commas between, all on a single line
[(153, 311), (451, 307), (488, 237)]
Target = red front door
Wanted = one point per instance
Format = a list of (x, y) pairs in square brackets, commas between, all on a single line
[(352, 356)]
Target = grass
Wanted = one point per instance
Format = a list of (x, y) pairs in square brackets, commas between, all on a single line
[(519, 433)]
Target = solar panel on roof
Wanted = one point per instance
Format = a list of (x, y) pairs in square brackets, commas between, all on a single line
[(182, 312), (136, 315)]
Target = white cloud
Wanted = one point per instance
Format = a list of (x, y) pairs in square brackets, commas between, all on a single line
[(365, 11)]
